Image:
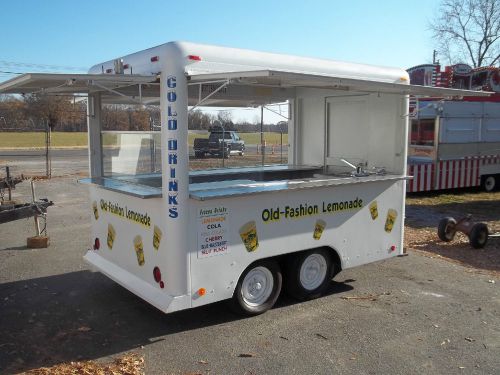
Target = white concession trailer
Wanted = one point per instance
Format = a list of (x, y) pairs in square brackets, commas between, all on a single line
[(180, 239)]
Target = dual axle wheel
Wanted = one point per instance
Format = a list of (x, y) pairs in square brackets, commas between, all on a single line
[(307, 275), (477, 232)]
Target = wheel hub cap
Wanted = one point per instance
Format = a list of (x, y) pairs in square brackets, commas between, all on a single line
[(313, 271), (257, 286)]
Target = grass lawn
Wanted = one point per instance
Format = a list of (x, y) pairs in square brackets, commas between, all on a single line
[(37, 139), (71, 139), (249, 138)]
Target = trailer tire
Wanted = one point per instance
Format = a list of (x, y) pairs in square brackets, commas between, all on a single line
[(478, 236), (446, 229), (309, 274), (258, 288), (490, 183)]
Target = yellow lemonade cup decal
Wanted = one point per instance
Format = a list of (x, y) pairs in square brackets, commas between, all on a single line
[(111, 236), (139, 250), (95, 209), (156, 237), (389, 221), (248, 234), (318, 229), (373, 210)]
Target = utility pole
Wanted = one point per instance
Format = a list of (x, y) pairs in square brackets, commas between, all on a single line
[(434, 55)]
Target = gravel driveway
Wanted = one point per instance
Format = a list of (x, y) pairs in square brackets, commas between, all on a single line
[(415, 314)]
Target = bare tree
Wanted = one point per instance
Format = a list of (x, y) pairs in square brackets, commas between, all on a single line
[(226, 119), (468, 31)]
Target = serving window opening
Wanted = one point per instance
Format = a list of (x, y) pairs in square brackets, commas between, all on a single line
[(237, 137), (422, 132)]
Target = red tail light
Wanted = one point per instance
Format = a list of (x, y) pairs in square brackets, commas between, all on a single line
[(157, 274), (194, 58), (97, 244), (155, 58)]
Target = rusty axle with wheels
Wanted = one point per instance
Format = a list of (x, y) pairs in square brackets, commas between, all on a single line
[(477, 232)]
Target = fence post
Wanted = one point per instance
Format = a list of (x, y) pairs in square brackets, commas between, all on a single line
[(48, 164)]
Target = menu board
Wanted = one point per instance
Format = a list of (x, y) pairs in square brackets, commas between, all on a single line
[(212, 232)]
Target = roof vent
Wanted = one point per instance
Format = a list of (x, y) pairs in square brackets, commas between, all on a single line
[(118, 66)]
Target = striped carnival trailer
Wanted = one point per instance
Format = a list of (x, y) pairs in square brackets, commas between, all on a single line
[(451, 174), (454, 144)]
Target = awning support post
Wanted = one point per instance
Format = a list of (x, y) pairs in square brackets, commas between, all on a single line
[(94, 133)]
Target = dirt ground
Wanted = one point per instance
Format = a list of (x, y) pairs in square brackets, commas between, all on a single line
[(423, 212), (435, 311)]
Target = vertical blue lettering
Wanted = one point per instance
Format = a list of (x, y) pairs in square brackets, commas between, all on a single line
[(171, 96), (172, 186), (172, 158), (171, 82), (171, 112), (172, 144), (172, 124)]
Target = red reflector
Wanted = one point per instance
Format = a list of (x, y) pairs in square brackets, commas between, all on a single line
[(97, 244), (393, 248), (194, 57), (109, 70), (155, 58), (126, 66), (162, 285), (157, 274)]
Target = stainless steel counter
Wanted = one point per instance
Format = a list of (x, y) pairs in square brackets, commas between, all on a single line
[(149, 185), (240, 181), (124, 187), (216, 190)]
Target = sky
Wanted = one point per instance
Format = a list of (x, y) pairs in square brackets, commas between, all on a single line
[(70, 36)]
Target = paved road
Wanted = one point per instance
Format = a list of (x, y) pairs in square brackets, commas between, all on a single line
[(427, 316), (68, 162), (32, 162)]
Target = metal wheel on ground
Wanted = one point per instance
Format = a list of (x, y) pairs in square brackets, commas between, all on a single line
[(309, 274), (258, 288), (490, 183), (446, 229), (478, 236)]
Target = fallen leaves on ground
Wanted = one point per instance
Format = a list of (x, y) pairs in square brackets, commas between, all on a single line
[(426, 242), (129, 364)]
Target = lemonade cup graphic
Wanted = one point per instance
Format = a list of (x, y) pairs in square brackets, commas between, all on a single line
[(389, 221), (248, 234), (318, 229), (156, 237), (111, 236), (96, 211), (139, 250), (373, 210)]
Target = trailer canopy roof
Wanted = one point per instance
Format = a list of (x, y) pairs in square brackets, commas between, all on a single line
[(130, 88), (284, 79), (52, 83)]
